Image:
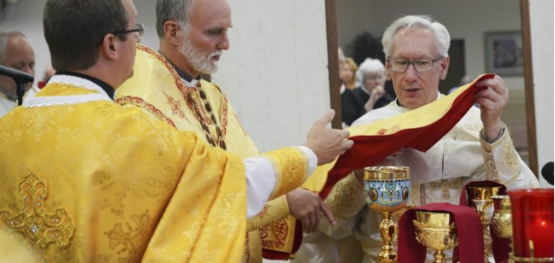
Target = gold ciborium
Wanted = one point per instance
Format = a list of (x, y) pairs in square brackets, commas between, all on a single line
[(483, 204), (435, 230), (387, 190), (501, 222)]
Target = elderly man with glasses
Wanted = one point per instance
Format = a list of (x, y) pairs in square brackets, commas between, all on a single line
[(477, 148)]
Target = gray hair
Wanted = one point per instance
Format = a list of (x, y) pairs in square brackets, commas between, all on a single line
[(417, 21), (4, 38), (176, 10), (369, 66)]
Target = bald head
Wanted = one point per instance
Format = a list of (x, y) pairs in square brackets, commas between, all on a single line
[(16, 52)]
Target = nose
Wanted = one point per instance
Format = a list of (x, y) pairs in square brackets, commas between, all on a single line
[(223, 44), (29, 69), (411, 72)]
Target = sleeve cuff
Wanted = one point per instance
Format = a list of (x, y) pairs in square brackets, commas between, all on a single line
[(312, 159)]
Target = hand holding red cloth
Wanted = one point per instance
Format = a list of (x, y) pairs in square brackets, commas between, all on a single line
[(500, 246), (419, 129), (471, 243)]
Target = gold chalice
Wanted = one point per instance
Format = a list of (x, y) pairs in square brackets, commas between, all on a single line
[(483, 204), (435, 230), (387, 190), (501, 221)]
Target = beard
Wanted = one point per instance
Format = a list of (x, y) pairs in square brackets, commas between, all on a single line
[(200, 61)]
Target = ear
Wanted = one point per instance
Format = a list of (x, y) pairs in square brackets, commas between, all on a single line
[(172, 32), (110, 47), (444, 67)]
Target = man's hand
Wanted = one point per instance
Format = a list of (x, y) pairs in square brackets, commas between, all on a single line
[(492, 101), (305, 206), (325, 142)]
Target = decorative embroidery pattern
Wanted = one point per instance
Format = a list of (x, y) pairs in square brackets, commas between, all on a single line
[(143, 104), (175, 106), (34, 224), (132, 239), (279, 231), (198, 104)]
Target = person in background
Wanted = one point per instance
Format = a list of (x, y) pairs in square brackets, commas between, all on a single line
[(16, 52), (351, 108), (371, 93), (347, 73)]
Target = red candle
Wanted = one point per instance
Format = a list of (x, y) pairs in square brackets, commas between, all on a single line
[(532, 213)]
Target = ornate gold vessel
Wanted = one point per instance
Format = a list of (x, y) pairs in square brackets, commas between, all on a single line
[(501, 222), (436, 231), (483, 204), (387, 190)]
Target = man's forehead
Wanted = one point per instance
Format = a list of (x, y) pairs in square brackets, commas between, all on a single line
[(414, 42), (211, 14)]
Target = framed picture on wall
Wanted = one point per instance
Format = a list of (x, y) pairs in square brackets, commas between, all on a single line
[(504, 53)]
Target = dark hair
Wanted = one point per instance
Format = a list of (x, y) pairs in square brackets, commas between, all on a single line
[(74, 28), (176, 10)]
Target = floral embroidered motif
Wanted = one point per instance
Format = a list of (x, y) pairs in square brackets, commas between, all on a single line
[(132, 239), (175, 106), (34, 224), (143, 104)]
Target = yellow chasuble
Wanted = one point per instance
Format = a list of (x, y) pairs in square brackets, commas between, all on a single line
[(158, 89), (85, 180)]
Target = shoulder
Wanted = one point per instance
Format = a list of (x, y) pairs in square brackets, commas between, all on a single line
[(387, 111)]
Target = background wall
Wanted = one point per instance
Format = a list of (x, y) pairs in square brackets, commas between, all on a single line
[(541, 24), (275, 73)]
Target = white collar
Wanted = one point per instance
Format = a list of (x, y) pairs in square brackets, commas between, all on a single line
[(398, 105), (70, 99), (192, 83)]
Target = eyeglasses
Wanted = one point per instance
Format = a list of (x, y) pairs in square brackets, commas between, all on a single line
[(420, 65), (139, 29)]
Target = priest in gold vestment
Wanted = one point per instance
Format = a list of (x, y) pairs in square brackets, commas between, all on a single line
[(86, 180), (168, 87), (478, 148)]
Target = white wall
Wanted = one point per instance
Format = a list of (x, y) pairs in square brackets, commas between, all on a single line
[(541, 26), (468, 19), (275, 73)]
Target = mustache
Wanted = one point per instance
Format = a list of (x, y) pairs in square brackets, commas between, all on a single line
[(216, 53)]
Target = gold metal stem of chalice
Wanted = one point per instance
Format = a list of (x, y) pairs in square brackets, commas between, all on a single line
[(387, 189), (483, 204), (434, 231), (501, 222)]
